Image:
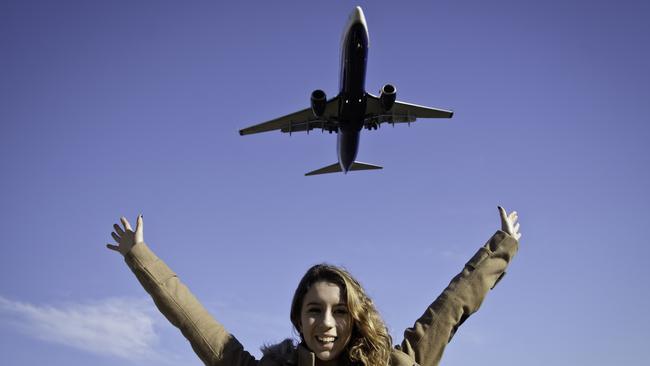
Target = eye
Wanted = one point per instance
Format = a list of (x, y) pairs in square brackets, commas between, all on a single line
[(313, 310), (341, 311)]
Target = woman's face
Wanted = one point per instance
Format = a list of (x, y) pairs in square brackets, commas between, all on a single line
[(325, 322)]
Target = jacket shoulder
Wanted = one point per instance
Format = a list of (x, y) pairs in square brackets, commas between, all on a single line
[(399, 358)]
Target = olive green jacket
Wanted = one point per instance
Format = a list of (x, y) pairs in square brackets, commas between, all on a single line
[(423, 343)]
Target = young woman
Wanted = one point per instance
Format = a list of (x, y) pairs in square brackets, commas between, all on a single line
[(337, 322)]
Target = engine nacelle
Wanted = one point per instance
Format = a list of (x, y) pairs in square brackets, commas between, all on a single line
[(387, 96), (318, 102)]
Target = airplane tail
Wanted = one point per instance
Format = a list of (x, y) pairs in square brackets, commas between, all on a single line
[(336, 167)]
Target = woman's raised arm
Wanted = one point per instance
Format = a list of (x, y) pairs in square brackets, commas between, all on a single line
[(209, 339), (427, 339)]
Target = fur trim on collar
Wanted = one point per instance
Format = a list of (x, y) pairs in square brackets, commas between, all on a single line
[(283, 353)]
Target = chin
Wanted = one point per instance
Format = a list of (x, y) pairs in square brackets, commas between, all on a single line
[(327, 356)]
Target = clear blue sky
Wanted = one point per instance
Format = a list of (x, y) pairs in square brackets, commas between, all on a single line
[(121, 107)]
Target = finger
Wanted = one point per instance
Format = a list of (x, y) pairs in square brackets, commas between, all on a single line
[(517, 236), (126, 224), (117, 238), (118, 230), (516, 228), (139, 227), (113, 247), (513, 216), (139, 224), (502, 213)]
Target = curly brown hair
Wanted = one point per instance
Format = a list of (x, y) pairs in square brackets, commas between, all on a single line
[(371, 343)]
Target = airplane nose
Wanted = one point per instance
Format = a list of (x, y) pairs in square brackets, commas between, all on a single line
[(357, 15)]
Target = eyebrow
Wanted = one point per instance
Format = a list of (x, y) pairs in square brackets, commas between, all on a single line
[(318, 304)]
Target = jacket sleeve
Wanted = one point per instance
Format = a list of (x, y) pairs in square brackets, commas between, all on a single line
[(209, 339), (427, 339)]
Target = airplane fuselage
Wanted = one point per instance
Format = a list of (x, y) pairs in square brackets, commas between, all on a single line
[(352, 91)]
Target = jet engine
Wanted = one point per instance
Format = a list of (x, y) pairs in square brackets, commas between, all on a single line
[(318, 102), (387, 96)]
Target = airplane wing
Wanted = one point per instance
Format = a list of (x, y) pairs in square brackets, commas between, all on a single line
[(400, 113), (303, 120)]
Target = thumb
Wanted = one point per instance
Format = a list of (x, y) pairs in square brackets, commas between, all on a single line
[(139, 229), (502, 213)]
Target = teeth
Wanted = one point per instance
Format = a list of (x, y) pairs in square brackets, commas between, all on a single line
[(326, 339)]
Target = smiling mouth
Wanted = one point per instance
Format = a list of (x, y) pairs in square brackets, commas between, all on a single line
[(324, 340)]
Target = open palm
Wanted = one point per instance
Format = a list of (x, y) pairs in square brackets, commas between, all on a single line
[(125, 237)]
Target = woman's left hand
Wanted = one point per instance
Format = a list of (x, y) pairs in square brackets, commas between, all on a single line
[(509, 223)]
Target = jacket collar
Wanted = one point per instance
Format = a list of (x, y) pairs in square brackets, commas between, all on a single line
[(308, 358), (305, 356)]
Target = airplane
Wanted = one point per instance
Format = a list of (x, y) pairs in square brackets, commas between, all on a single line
[(353, 108)]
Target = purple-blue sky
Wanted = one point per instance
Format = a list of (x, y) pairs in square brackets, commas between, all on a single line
[(116, 108)]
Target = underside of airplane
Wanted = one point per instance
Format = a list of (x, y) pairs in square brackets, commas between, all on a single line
[(353, 109)]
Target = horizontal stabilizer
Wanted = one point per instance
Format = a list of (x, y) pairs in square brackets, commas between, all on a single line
[(357, 165), (336, 167)]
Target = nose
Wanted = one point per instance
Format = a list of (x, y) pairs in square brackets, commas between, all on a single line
[(328, 319)]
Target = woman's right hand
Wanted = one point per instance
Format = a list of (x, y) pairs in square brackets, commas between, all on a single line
[(126, 238)]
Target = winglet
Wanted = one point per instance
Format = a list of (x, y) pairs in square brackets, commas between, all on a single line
[(336, 167)]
